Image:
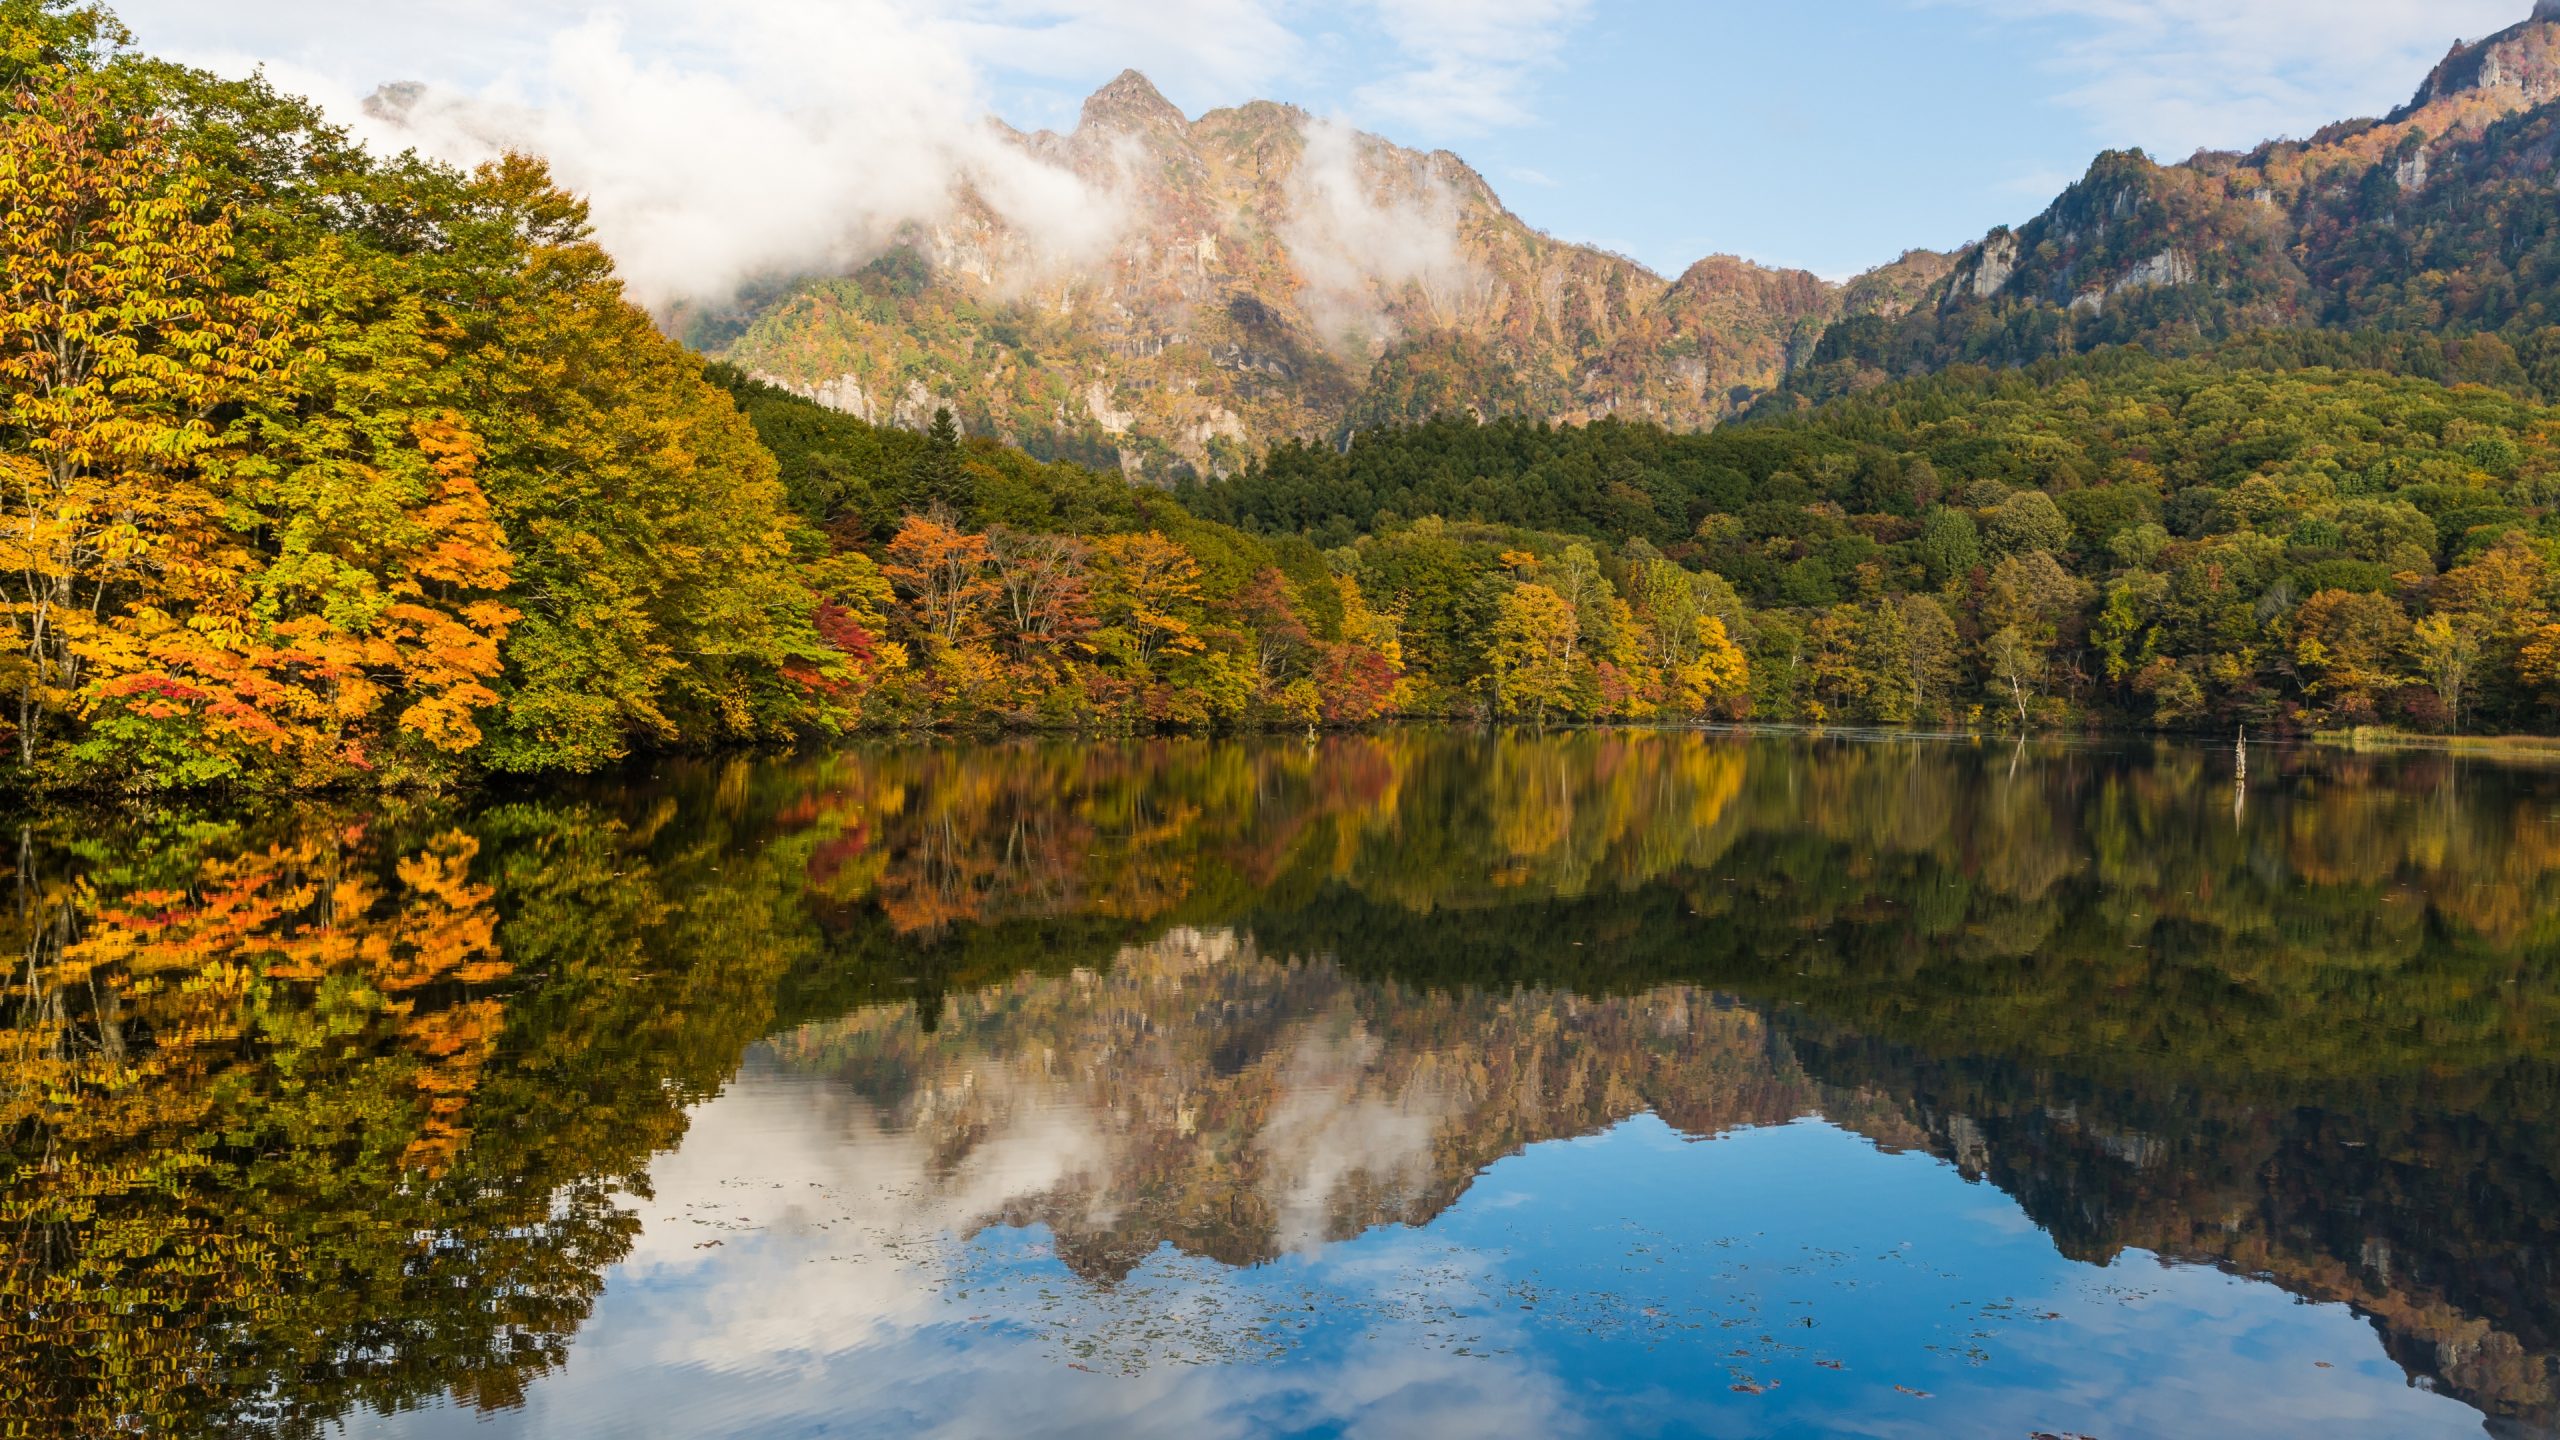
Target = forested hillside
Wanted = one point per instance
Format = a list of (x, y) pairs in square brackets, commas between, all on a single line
[(977, 585), (2439, 219), (2114, 539)]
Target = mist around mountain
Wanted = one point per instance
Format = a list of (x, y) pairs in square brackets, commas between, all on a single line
[(1268, 275)]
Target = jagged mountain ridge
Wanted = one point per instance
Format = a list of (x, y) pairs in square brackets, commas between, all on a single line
[(2439, 217), (1263, 286), (1275, 276)]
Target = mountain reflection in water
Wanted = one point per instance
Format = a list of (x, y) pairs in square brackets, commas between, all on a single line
[(1600, 1083)]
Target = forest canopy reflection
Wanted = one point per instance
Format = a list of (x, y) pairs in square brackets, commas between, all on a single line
[(327, 1111)]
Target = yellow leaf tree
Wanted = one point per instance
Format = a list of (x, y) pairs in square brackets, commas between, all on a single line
[(117, 343), (383, 563), (1535, 635), (1148, 586)]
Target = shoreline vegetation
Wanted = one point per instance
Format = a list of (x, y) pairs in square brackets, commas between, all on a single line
[(327, 470), (2543, 749)]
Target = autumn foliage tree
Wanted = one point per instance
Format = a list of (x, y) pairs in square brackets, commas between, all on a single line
[(660, 600), (386, 564), (316, 468), (1535, 637), (129, 599), (943, 572), (1147, 589)]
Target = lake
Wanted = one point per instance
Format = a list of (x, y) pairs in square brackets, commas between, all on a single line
[(1426, 1083)]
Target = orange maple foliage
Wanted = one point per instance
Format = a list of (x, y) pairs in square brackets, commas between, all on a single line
[(942, 570)]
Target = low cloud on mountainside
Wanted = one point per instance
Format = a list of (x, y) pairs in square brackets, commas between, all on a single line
[(763, 137), (805, 141), (785, 136), (1351, 242)]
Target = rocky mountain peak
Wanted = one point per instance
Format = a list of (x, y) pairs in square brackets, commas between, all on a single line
[(1270, 275), (1132, 104), (2519, 66)]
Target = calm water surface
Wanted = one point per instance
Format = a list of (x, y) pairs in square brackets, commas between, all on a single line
[(1423, 1084)]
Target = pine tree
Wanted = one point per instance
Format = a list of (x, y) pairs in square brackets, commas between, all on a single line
[(939, 478)]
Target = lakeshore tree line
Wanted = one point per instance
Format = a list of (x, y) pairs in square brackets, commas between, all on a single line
[(321, 467)]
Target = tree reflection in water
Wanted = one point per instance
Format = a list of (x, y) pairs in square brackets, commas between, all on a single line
[(313, 1114)]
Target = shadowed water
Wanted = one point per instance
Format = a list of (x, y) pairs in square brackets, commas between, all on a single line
[(1620, 1083)]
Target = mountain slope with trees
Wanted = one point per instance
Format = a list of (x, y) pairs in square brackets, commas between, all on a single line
[(2111, 539), (1274, 276), (2439, 219), (324, 469), (320, 469)]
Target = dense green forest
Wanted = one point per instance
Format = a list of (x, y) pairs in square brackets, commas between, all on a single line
[(2115, 538)]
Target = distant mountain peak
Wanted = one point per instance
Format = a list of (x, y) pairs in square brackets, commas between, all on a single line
[(1262, 274), (2434, 220), (1132, 102), (2524, 59)]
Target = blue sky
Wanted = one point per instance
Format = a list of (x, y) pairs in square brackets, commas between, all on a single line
[(1830, 134)]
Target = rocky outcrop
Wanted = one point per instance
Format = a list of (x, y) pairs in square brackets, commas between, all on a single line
[(2520, 64), (1266, 275), (2337, 231), (1987, 269)]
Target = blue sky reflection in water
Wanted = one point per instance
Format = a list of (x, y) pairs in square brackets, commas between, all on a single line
[(1365, 1183), (1621, 1082), (1624, 1283)]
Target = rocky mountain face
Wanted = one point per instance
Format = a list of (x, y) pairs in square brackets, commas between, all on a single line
[(2440, 216), (1261, 274), (1258, 274)]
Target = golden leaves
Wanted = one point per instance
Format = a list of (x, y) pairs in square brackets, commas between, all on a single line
[(943, 572), (203, 596)]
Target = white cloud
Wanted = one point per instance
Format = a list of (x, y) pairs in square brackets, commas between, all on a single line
[(2178, 75), (803, 135), (719, 144), (1364, 232), (1473, 60)]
